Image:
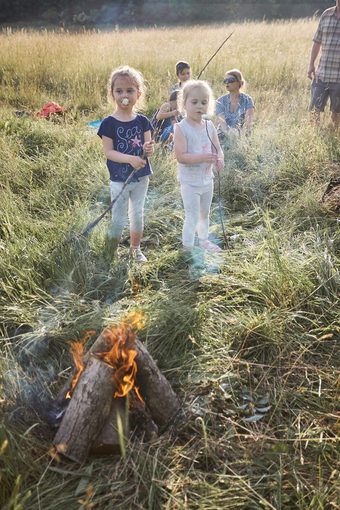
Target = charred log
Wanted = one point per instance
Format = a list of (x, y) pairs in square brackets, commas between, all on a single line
[(155, 389), (141, 422), (108, 439)]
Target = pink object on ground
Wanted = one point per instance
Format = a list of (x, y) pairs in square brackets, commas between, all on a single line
[(207, 245)]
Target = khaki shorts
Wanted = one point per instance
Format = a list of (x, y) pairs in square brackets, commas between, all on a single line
[(320, 92)]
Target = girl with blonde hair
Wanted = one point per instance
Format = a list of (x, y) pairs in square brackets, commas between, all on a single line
[(197, 149)]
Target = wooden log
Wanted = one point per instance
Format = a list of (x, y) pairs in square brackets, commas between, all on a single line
[(66, 387), (87, 411), (140, 420), (107, 441), (155, 389)]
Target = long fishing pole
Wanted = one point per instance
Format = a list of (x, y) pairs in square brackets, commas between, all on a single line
[(214, 55)]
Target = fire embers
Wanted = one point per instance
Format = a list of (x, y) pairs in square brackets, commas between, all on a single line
[(105, 397)]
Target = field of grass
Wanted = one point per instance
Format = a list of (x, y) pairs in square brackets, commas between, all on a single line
[(262, 332)]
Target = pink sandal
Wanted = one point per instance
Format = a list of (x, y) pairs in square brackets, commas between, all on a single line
[(211, 247)]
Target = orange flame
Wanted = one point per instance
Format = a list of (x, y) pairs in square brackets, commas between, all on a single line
[(77, 349), (119, 341)]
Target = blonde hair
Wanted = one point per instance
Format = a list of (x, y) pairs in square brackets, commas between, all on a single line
[(189, 86), (236, 73), (130, 73)]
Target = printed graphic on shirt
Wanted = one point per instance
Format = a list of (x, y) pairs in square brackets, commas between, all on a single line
[(129, 140)]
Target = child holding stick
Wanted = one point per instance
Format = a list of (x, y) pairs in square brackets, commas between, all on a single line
[(197, 149), (126, 137)]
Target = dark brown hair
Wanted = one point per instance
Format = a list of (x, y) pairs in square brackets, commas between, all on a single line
[(181, 65)]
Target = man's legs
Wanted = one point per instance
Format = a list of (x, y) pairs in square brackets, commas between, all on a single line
[(335, 105), (319, 95)]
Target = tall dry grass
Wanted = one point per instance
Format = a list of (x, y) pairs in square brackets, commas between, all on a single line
[(73, 68)]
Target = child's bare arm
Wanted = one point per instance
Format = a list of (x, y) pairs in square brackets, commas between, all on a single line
[(135, 161), (181, 151), (165, 112)]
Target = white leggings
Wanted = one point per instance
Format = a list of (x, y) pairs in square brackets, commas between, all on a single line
[(197, 202), (131, 202)]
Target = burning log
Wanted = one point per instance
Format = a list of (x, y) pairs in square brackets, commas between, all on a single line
[(66, 388), (87, 411), (155, 389)]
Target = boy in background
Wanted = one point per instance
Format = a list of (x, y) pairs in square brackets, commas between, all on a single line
[(183, 73)]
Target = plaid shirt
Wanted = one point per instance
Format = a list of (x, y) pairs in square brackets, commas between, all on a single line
[(328, 35)]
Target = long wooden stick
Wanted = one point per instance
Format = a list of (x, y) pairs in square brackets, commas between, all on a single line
[(219, 189), (210, 59), (97, 220)]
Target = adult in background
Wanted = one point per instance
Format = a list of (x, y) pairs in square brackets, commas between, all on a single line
[(326, 79), (235, 110)]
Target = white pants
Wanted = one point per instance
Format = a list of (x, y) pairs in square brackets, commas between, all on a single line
[(130, 202), (197, 202)]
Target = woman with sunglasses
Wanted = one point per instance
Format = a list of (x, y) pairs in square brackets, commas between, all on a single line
[(234, 110)]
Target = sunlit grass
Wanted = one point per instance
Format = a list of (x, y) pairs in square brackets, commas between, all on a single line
[(73, 69)]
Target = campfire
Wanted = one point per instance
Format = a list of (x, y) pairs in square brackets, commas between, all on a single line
[(115, 383)]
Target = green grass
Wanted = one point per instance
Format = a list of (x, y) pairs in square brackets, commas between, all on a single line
[(262, 332)]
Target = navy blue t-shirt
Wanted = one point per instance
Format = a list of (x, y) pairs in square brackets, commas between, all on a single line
[(128, 138)]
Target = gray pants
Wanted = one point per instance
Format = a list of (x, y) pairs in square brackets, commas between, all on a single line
[(197, 202), (131, 202)]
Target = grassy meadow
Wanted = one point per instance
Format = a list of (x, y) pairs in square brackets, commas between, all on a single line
[(251, 346)]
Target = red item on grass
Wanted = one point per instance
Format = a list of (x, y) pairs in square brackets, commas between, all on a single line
[(50, 108)]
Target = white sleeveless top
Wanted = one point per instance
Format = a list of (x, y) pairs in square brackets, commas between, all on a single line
[(197, 143)]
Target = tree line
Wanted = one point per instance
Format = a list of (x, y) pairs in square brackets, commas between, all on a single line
[(57, 11)]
